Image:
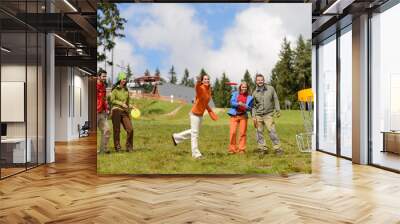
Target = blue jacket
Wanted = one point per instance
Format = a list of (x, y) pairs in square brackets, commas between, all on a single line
[(235, 105)]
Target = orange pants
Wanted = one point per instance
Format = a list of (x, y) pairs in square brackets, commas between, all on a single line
[(241, 122)]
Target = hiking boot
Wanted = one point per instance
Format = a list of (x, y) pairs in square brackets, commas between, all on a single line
[(263, 151), (106, 151)]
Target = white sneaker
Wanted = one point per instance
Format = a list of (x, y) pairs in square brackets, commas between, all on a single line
[(197, 156)]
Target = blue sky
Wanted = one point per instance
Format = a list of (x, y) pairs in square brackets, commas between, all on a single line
[(220, 37)]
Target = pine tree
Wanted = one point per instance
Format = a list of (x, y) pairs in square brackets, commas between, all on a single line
[(172, 74), (283, 78), (302, 63), (235, 88), (157, 73), (129, 73), (216, 93), (147, 73), (190, 82), (308, 56), (292, 72), (185, 79), (110, 25), (225, 91), (203, 72), (250, 82)]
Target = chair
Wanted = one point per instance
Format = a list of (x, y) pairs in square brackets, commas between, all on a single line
[(84, 130)]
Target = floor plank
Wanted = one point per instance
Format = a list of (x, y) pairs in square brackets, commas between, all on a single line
[(70, 191)]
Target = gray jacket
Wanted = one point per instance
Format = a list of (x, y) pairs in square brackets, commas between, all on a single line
[(265, 101)]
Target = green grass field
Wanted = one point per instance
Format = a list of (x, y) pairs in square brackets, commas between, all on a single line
[(155, 153)]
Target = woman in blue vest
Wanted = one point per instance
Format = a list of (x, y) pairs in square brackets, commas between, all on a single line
[(241, 104)]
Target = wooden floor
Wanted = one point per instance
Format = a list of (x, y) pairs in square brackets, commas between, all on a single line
[(69, 191), (387, 159), (5, 172)]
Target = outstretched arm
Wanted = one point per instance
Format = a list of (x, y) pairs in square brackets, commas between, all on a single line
[(211, 113), (208, 108)]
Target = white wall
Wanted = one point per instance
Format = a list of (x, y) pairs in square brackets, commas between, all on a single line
[(15, 73), (35, 122), (61, 103), (12, 73), (71, 93)]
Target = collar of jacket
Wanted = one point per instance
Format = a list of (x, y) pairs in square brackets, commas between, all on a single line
[(205, 86), (263, 88), (120, 88)]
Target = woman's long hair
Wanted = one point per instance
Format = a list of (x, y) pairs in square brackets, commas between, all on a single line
[(202, 77), (240, 88)]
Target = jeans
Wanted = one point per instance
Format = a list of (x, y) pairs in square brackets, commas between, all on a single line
[(102, 124)]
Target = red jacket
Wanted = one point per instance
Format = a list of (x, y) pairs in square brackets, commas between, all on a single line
[(242, 98), (102, 105)]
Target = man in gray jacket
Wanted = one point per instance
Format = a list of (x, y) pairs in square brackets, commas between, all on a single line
[(266, 105)]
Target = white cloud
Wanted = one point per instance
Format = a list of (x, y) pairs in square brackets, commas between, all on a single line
[(249, 45), (124, 54), (252, 42), (174, 29)]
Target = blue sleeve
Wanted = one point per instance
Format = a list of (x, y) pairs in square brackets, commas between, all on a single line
[(250, 106), (234, 102)]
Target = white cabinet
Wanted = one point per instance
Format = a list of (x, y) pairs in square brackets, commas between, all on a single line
[(17, 146)]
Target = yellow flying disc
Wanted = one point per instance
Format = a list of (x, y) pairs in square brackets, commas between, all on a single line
[(135, 113)]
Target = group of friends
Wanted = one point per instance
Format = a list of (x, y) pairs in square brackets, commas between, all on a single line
[(262, 104)]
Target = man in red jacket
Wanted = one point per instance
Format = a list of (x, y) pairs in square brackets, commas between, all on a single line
[(102, 111)]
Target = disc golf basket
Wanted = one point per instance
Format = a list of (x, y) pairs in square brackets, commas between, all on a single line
[(304, 139)]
